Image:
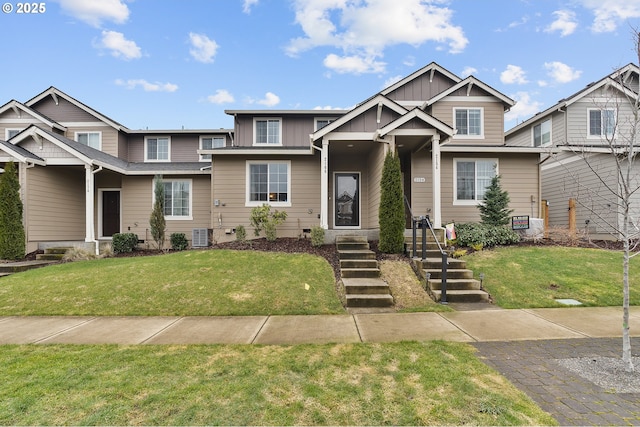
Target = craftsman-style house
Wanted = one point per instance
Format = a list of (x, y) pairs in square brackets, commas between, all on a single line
[(85, 177)]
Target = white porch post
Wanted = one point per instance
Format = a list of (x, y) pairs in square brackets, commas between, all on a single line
[(89, 196), (436, 221), (324, 185)]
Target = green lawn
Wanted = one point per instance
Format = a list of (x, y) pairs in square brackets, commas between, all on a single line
[(527, 277), (189, 283), (410, 383)]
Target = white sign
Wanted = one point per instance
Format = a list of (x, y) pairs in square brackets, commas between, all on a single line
[(417, 179)]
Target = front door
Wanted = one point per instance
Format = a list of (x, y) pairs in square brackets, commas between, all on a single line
[(347, 200), (110, 213)]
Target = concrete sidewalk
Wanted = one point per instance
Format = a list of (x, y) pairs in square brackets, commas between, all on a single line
[(462, 326)]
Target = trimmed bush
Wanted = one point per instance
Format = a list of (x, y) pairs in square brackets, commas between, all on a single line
[(391, 211), (317, 236), (476, 235), (263, 219), (241, 233), (124, 242), (178, 241)]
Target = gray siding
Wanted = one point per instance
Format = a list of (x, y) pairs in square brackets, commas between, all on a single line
[(421, 88), (64, 111), (295, 129)]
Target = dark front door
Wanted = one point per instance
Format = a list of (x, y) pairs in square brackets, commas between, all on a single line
[(110, 213), (347, 199)]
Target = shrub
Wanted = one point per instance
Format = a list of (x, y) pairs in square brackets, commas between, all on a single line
[(78, 254), (391, 211), (241, 233), (157, 221), (317, 236), (124, 242), (263, 219), (494, 209), (12, 235), (479, 235), (178, 241)]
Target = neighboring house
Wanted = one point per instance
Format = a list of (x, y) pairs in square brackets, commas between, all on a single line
[(585, 125), (85, 177)]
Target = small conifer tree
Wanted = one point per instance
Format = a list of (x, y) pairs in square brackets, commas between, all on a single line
[(391, 211), (494, 210), (12, 236), (157, 222)]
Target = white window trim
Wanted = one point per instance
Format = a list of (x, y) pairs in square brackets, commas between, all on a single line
[(317, 119), (251, 203), (255, 133), (202, 158), (476, 202), (458, 136), (146, 157), (533, 138), (602, 135), (101, 215), (7, 130), (173, 217), (88, 132)]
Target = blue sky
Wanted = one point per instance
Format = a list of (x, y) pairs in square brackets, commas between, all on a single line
[(168, 64)]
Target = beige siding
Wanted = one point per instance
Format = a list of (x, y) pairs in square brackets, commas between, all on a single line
[(229, 187), (48, 151), (493, 120), (374, 176), (108, 134), (10, 120)]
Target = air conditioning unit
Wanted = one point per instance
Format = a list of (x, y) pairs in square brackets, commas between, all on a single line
[(200, 238)]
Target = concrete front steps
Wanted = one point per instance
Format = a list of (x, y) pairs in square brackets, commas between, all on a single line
[(52, 254), (461, 286), (360, 274), (7, 268)]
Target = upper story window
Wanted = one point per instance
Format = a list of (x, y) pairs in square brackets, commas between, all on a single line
[(157, 149), (10, 133), (542, 134), (601, 122), (468, 122), (472, 177), (92, 139), (268, 182), (320, 123), (267, 131), (209, 143)]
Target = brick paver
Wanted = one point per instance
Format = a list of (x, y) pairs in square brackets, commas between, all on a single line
[(570, 399)]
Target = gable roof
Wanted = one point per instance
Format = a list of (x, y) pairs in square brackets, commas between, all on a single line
[(430, 68), (469, 82), (19, 107), (421, 115), (23, 156), (56, 93)]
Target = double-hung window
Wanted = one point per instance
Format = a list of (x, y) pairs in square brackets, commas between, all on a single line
[(269, 182), (472, 177), (157, 149), (92, 139), (177, 199), (267, 131), (209, 143), (320, 123), (601, 122), (468, 122), (542, 134)]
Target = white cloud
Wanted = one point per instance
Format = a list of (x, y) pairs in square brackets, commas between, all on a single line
[(468, 71), (561, 73), (94, 12), (329, 107), (203, 48), (119, 46), (353, 64), (609, 14), (366, 29), (513, 75), (270, 100), (565, 23), (146, 86), (222, 96), (525, 107), (248, 4), (392, 80)]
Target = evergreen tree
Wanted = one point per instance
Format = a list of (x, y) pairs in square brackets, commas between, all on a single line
[(391, 211), (494, 210), (12, 236), (157, 222)]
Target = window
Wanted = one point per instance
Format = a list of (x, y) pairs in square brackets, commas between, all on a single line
[(267, 132), (468, 122), (177, 199), (472, 177), (157, 149), (601, 122), (542, 134), (209, 143), (10, 133), (92, 139), (320, 123), (268, 182)]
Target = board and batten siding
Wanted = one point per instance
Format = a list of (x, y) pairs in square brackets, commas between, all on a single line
[(229, 182), (493, 119), (63, 111), (422, 88)]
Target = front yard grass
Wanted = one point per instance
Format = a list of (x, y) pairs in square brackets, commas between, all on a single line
[(189, 283), (532, 277), (409, 383)]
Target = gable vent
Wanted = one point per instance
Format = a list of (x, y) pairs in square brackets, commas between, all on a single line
[(200, 238)]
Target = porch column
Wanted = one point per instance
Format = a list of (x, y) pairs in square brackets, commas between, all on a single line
[(324, 185), (435, 174), (89, 197)]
